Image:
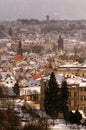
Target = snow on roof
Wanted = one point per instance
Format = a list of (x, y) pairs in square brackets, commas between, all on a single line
[(70, 65), (59, 78), (48, 55), (82, 84), (32, 62), (17, 68), (70, 81), (30, 102), (41, 113), (84, 80), (8, 91), (19, 102), (73, 80), (32, 54), (84, 65), (33, 82)]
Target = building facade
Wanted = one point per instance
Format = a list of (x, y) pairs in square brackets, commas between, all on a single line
[(77, 95)]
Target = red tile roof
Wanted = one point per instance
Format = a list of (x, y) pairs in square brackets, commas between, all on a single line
[(36, 74), (18, 58)]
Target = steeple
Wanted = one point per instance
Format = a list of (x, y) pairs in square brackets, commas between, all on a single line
[(19, 49), (60, 43)]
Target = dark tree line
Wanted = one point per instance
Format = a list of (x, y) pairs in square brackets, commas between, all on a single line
[(51, 97), (9, 120), (16, 89)]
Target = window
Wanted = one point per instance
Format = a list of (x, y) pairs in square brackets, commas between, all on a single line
[(25, 92), (81, 98), (69, 103), (76, 74), (82, 75), (69, 94), (84, 89), (84, 109), (31, 97), (75, 103), (81, 108), (35, 97), (81, 89), (75, 94), (84, 98)]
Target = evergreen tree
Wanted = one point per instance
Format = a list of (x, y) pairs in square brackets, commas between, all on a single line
[(72, 117), (51, 97), (64, 93), (16, 88), (78, 117), (75, 117)]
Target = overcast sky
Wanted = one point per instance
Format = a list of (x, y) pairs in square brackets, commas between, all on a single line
[(56, 9)]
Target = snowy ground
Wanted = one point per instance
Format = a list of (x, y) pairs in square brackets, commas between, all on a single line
[(62, 126), (59, 124)]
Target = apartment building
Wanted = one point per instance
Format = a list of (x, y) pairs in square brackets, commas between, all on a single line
[(77, 92), (76, 69)]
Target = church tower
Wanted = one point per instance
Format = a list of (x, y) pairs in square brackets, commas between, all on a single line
[(60, 43), (19, 49)]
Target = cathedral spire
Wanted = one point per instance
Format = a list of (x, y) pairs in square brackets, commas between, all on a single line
[(19, 49), (60, 43)]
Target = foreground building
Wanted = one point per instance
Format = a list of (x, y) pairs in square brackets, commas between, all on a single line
[(76, 69), (77, 91)]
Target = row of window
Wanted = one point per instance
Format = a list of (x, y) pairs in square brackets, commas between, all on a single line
[(82, 98), (73, 103), (83, 89), (75, 93), (9, 82), (77, 74), (34, 97), (83, 109)]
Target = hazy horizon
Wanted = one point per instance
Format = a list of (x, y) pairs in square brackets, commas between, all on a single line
[(38, 9)]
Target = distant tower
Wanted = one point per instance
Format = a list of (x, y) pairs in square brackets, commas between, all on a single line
[(10, 31), (60, 43), (47, 18), (19, 49)]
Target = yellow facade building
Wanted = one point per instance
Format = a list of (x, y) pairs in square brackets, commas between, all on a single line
[(77, 93), (78, 70)]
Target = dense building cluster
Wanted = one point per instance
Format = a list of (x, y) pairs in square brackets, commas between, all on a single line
[(30, 50)]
